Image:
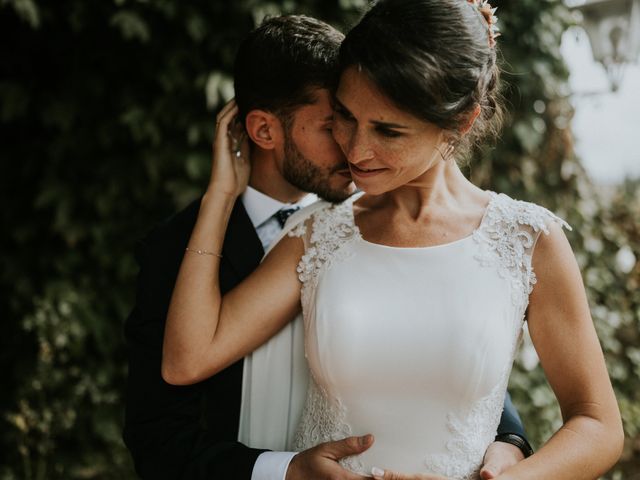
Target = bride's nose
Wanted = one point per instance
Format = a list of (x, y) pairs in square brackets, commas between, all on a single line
[(359, 150)]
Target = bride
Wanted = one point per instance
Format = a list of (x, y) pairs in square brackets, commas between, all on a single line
[(413, 292)]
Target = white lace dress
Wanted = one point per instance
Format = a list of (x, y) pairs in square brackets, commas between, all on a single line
[(414, 345)]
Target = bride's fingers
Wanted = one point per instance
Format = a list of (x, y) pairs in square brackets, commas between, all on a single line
[(226, 116), (223, 145), (229, 106), (226, 123), (379, 474), (230, 168), (239, 139), (222, 127)]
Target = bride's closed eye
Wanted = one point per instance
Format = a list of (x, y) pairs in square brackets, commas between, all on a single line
[(387, 132)]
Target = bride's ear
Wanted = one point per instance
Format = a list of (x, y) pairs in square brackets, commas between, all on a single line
[(264, 129), (469, 120)]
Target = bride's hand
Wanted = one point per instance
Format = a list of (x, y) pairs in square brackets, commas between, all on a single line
[(499, 457), (230, 167), (379, 474)]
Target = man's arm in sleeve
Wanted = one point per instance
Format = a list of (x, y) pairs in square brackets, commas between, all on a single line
[(511, 429), (272, 465)]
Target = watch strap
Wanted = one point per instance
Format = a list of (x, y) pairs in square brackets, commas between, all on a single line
[(516, 440)]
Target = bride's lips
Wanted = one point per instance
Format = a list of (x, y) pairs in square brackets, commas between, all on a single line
[(365, 172)]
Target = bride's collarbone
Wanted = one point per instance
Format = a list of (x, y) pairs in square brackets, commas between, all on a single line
[(413, 234)]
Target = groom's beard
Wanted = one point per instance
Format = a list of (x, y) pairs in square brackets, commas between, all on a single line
[(300, 172)]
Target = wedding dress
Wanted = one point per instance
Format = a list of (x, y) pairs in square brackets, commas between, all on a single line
[(414, 345)]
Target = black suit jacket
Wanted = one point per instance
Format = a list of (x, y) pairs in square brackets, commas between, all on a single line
[(173, 431), (190, 432)]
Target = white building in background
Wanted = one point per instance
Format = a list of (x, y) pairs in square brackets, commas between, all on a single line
[(606, 124)]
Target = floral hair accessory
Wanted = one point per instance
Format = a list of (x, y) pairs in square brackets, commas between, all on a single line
[(488, 12)]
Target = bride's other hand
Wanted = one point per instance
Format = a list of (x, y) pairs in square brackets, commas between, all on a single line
[(230, 167), (379, 474), (499, 457)]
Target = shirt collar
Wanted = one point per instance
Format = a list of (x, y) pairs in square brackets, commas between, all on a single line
[(261, 207)]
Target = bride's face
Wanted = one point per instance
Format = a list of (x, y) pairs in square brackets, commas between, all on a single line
[(385, 146)]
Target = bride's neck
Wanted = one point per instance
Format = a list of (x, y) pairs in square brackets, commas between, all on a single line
[(441, 185)]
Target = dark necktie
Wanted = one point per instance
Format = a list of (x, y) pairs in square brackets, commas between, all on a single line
[(282, 215)]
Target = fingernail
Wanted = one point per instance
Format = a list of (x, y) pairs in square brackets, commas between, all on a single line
[(486, 473), (365, 440), (377, 472)]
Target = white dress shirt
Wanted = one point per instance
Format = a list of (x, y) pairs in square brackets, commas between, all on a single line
[(261, 210)]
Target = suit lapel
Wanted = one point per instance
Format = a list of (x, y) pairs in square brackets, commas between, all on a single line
[(242, 247)]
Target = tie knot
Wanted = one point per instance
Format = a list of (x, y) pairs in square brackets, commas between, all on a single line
[(283, 214)]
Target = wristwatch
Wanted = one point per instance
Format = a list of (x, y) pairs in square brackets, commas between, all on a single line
[(517, 440)]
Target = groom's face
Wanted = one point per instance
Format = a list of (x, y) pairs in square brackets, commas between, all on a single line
[(313, 161)]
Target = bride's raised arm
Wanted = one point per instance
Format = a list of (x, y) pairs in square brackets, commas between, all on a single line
[(205, 331)]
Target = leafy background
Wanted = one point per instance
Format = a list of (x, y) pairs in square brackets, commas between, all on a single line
[(106, 113)]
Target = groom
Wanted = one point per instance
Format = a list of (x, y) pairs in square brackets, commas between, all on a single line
[(284, 73)]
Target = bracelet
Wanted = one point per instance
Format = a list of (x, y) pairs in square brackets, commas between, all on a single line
[(517, 441), (202, 252)]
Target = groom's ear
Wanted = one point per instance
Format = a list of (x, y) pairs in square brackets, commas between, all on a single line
[(264, 129)]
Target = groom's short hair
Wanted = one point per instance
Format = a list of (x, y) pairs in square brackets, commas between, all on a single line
[(282, 60)]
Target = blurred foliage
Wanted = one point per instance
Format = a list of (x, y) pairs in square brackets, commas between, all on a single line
[(106, 113)]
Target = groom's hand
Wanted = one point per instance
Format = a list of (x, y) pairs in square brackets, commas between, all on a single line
[(321, 461), (499, 457)]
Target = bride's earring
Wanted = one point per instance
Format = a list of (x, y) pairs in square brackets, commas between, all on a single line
[(450, 147)]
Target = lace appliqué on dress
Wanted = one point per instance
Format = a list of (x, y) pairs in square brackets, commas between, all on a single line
[(323, 420), (299, 230), (332, 228), (507, 237), (471, 435)]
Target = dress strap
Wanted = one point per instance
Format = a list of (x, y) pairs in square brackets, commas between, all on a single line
[(325, 232), (507, 239)]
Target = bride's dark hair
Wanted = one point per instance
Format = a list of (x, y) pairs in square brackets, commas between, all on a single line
[(433, 59)]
